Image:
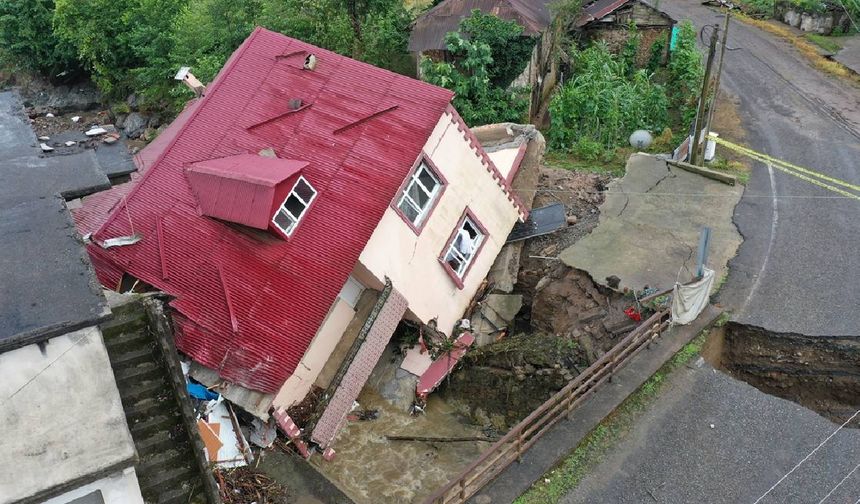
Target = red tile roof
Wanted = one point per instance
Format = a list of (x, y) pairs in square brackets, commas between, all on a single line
[(249, 303)]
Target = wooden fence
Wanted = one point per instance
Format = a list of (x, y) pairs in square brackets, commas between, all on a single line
[(520, 438)]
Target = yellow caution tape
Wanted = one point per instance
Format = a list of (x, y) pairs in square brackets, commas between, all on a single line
[(800, 172)]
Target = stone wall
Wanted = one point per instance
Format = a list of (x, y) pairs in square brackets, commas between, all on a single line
[(823, 23)]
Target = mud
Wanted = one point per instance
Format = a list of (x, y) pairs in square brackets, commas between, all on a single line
[(399, 471), (500, 384), (819, 372)]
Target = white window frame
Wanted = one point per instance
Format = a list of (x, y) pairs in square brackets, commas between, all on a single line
[(294, 219), (415, 181), (464, 258)]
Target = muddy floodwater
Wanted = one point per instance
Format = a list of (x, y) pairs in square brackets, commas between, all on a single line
[(371, 469)]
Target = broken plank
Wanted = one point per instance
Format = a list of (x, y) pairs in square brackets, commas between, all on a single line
[(705, 172), (439, 439)]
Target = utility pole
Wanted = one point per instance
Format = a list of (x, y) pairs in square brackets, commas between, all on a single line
[(700, 111), (723, 44)]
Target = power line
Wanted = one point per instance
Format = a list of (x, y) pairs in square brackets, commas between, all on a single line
[(839, 484), (804, 459)]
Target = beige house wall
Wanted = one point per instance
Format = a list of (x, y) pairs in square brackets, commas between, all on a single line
[(412, 261), (299, 383)]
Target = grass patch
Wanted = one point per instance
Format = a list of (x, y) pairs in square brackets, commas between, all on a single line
[(829, 44), (613, 163), (570, 472), (723, 319), (804, 46), (736, 168)]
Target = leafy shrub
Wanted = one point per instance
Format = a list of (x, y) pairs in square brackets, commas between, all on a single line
[(27, 40), (114, 38), (587, 149), (477, 100), (509, 49), (655, 57), (603, 104), (631, 48), (758, 7), (685, 73)]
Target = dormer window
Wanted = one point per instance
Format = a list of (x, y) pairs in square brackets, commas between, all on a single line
[(419, 195), (293, 208)]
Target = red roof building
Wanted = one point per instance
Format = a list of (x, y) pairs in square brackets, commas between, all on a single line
[(300, 176)]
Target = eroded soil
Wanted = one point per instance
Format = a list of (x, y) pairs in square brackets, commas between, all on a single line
[(821, 373)]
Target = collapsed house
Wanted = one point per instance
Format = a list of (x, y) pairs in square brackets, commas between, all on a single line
[(296, 212)]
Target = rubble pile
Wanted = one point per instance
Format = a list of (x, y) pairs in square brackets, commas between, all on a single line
[(542, 322), (244, 485)]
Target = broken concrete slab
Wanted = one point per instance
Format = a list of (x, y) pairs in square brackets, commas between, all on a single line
[(506, 306), (650, 223)]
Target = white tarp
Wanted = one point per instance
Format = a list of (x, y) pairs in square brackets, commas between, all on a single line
[(690, 299)]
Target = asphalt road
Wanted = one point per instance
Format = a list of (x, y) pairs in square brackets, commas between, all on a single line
[(798, 269), (673, 455)]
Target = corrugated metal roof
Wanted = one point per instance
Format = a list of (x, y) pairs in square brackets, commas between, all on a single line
[(429, 30), (251, 168), (241, 188), (602, 8), (279, 291)]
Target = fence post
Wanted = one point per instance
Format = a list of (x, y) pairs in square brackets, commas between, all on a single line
[(463, 489), (520, 446)]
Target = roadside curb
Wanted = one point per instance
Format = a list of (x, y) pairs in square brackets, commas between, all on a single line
[(566, 435)]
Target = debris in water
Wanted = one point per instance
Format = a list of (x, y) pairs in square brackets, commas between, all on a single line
[(98, 130), (76, 119), (45, 147), (70, 143), (244, 485), (44, 138), (363, 415), (49, 115)]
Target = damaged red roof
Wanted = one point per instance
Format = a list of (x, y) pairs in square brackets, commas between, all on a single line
[(248, 303)]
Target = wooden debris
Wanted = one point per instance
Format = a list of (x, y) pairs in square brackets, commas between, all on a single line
[(245, 485), (439, 439)]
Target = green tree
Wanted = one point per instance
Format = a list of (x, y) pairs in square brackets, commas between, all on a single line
[(685, 72), (477, 100), (372, 31), (27, 40), (115, 38), (630, 50), (510, 49)]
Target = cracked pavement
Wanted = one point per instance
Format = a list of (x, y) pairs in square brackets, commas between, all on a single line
[(650, 223), (798, 269)]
